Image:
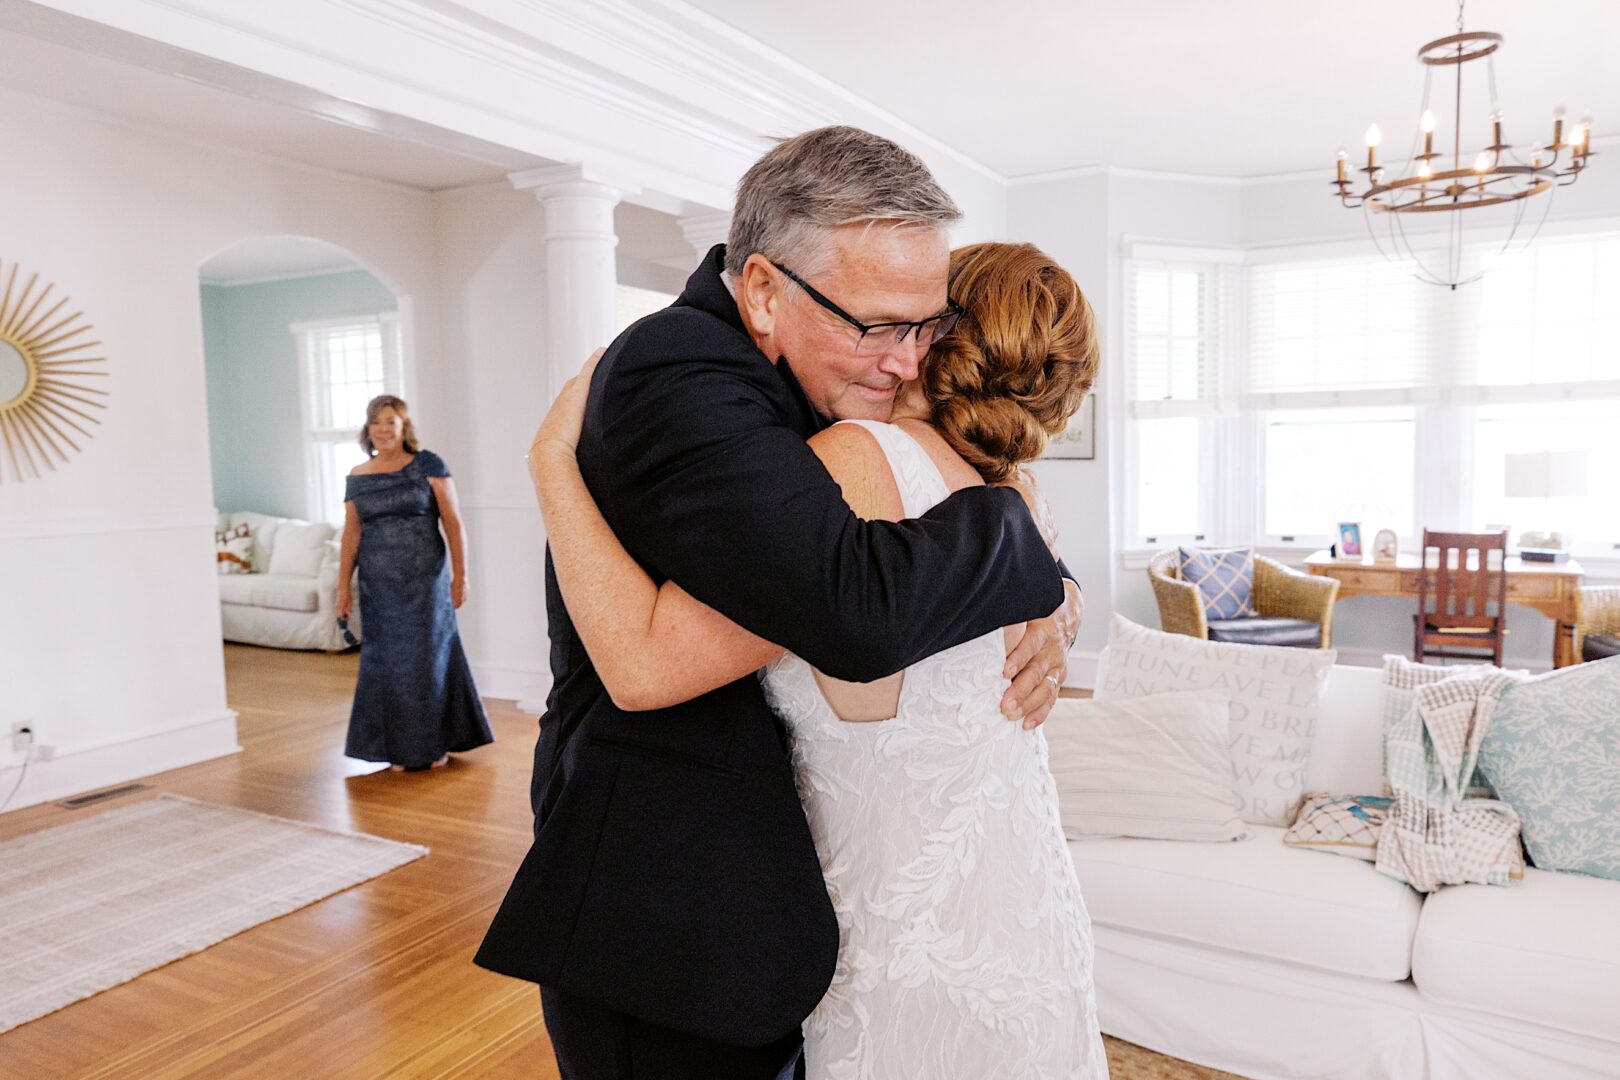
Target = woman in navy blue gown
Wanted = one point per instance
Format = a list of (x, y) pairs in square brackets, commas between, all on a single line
[(415, 701)]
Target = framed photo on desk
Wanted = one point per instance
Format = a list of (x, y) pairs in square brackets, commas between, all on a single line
[(1349, 545)]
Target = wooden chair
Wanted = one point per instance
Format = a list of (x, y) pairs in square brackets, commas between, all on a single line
[(1462, 596)]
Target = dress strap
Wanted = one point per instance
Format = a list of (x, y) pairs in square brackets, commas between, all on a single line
[(922, 486)]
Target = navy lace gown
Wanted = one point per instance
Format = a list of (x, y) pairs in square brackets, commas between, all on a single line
[(415, 699)]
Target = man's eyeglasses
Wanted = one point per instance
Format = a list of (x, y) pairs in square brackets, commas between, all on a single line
[(879, 337)]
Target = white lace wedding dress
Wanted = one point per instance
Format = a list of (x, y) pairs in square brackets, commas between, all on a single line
[(965, 949)]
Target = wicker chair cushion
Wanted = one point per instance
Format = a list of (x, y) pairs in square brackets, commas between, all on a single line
[(1600, 646), (1225, 580), (1264, 630)]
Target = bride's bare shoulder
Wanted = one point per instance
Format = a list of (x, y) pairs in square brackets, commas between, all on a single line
[(851, 454)]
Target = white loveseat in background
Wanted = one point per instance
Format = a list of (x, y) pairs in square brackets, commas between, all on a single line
[(1276, 962), (290, 599)]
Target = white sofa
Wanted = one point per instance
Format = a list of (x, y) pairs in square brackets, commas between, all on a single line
[(290, 599), (1275, 962)]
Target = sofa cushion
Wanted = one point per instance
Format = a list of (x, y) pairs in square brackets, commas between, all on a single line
[(1545, 949), (1600, 646), (1274, 694), (300, 548), (1225, 580), (1348, 751), (286, 592), (1553, 754), (264, 528), (1256, 897), (1155, 767), (1268, 630)]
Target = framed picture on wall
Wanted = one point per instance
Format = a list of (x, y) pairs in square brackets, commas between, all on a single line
[(1079, 439)]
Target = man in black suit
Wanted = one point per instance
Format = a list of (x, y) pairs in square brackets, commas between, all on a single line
[(672, 906)]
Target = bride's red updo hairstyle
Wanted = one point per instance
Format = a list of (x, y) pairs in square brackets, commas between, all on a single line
[(1020, 361)]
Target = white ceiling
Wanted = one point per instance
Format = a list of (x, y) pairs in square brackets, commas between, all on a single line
[(274, 258), (1235, 88), (222, 117)]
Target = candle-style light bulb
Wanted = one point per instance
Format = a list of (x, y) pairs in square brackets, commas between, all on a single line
[(1340, 164), (1374, 136), (1482, 164), (1428, 122), (1535, 156), (1425, 170), (1558, 127)]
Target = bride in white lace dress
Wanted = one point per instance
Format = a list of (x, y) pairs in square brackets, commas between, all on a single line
[(965, 949)]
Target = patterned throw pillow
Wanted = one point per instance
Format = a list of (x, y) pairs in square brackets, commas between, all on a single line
[(1553, 754), (233, 550), (1274, 691), (1225, 580), (1340, 824)]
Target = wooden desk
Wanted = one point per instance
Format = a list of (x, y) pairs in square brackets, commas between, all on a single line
[(1550, 588)]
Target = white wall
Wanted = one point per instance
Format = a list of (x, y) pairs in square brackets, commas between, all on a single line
[(109, 619)]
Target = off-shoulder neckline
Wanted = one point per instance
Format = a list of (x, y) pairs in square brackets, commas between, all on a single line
[(393, 472)]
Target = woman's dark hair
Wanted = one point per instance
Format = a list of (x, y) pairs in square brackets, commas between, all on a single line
[(378, 404)]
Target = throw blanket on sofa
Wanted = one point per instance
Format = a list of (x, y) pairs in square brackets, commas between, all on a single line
[(1435, 835)]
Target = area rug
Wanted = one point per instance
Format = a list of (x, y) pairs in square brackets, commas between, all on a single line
[(86, 906)]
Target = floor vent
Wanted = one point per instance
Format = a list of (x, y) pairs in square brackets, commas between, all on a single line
[(100, 796)]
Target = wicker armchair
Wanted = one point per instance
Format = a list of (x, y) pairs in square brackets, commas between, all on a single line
[(1597, 616), (1279, 592)]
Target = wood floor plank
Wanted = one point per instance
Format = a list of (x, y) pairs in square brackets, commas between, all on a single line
[(374, 982)]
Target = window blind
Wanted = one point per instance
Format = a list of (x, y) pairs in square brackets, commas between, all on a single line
[(1346, 331), (1174, 314)]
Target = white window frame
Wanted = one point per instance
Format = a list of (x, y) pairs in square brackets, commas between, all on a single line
[(318, 439), (1217, 422), (1232, 509)]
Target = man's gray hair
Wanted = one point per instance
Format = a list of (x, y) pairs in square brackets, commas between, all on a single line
[(814, 182)]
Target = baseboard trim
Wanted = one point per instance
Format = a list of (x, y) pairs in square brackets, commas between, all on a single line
[(1082, 669), (77, 770), (524, 686)]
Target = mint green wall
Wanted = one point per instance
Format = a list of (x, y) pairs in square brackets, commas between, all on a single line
[(255, 423)]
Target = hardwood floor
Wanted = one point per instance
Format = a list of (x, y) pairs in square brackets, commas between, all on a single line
[(374, 982)]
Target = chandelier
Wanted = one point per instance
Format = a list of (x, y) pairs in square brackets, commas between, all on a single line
[(1497, 176)]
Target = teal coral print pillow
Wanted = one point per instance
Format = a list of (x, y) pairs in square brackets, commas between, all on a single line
[(1553, 754), (1225, 580)]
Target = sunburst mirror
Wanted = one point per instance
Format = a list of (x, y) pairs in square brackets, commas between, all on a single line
[(49, 377)]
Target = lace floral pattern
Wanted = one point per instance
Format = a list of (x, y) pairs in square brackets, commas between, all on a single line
[(965, 948)]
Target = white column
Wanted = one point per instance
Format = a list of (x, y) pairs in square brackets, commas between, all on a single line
[(581, 279), (703, 231)]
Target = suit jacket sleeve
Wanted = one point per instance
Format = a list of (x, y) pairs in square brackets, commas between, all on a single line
[(705, 483)]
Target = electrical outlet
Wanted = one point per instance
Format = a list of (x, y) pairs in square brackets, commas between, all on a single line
[(22, 737)]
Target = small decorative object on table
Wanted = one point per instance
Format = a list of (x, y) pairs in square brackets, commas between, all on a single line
[(1349, 545), (1386, 546), (1544, 546)]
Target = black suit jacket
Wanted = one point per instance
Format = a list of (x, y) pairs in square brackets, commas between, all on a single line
[(673, 876)]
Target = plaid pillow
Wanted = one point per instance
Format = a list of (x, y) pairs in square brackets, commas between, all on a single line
[(1225, 580)]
